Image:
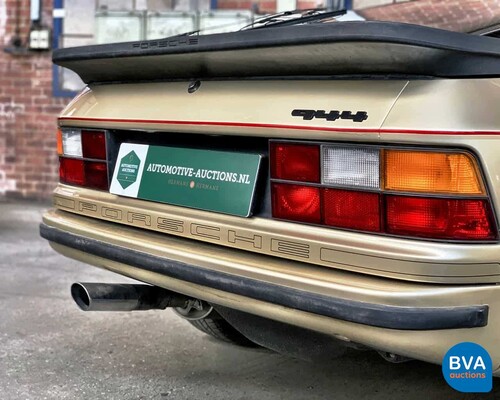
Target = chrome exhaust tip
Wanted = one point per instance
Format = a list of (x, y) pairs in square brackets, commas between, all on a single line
[(124, 297), (81, 296)]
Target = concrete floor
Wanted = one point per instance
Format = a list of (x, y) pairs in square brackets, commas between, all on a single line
[(49, 349)]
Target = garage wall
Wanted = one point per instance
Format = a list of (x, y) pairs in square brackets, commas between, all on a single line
[(28, 162), (266, 6), (455, 15), (359, 4)]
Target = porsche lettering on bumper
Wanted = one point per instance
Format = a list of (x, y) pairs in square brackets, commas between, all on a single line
[(356, 252), (177, 226)]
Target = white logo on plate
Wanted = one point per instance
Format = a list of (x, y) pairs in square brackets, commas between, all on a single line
[(141, 151)]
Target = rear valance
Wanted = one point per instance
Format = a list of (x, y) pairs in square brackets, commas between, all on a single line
[(318, 50)]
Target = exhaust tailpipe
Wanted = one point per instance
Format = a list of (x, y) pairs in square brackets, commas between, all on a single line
[(124, 297)]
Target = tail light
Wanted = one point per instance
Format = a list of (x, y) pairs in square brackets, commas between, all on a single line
[(82, 158), (439, 218), (413, 193), (351, 209), (300, 203), (295, 162)]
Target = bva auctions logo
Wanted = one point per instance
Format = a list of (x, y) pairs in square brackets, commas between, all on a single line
[(467, 368), (129, 169)]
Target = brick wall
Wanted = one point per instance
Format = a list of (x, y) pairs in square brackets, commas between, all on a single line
[(359, 4), (264, 6), (28, 161), (456, 15)]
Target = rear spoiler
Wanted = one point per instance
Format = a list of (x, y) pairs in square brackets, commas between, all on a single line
[(327, 50)]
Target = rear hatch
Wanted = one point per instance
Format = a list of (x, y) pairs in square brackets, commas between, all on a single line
[(248, 136)]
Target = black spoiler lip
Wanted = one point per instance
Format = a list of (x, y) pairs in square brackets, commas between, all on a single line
[(352, 31), (302, 50)]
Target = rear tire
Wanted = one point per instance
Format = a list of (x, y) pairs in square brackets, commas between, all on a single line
[(217, 327)]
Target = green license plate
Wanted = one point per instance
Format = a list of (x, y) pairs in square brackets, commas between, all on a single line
[(209, 180)]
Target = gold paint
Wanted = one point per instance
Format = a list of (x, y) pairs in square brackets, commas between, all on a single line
[(414, 260)]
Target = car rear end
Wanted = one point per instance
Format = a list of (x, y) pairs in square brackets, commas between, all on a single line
[(363, 209)]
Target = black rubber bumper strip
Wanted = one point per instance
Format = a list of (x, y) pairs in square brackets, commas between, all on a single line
[(383, 316)]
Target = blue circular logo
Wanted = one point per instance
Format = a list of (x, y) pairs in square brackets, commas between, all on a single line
[(467, 368)]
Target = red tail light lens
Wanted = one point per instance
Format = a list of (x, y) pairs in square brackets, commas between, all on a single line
[(96, 175), (297, 203), (94, 145), (295, 162), (439, 218), (71, 171), (79, 150), (352, 210), (90, 174)]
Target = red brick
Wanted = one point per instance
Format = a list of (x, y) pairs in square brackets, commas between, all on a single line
[(456, 15), (306, 4), (28, 125)]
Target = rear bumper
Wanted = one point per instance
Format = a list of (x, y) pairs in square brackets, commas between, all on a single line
[(402, 259), (380, 315), (416, 320)]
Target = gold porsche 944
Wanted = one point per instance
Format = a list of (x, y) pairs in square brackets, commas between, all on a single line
[(291, 184)]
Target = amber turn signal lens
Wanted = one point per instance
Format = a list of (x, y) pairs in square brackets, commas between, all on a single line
[(431, 172), (59, 143)]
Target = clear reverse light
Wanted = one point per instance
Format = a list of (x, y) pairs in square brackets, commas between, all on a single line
[(349, 166), (72, 142)]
